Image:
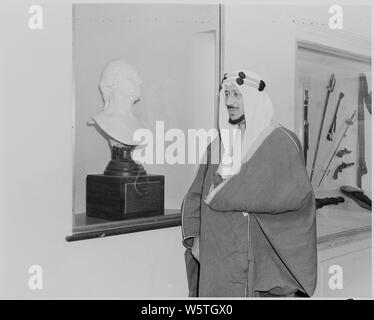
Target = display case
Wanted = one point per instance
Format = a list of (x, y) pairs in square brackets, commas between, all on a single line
[(175, 50), (333, 102), (333, 120)]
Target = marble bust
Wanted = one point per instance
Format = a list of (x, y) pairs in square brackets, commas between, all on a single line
[(120, 89), (125, 190)]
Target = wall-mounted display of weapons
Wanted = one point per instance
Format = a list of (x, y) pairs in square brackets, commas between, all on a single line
[(334, 120)]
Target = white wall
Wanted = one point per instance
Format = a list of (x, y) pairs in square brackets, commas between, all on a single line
[(36, 161)]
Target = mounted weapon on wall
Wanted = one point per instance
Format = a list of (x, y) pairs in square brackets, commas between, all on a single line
[(342, 152), (349, 122), (341, 167), (333, 123), (330, 88), (367, 95), (327, 201), (306, 125), (362, 97), (358, 195)]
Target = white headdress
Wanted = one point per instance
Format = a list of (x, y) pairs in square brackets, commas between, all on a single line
[(258, 112)]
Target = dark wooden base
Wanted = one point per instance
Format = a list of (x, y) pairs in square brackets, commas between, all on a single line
[(121, 197)]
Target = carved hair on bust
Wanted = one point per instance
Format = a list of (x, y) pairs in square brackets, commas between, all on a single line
[(120, 89), (119, 76)]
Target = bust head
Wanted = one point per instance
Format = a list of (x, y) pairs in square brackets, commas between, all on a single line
[(120, 89), (120, 78)]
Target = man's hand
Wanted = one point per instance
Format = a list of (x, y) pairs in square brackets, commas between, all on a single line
[(195, 249)]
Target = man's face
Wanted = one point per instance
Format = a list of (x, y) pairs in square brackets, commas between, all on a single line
[(234, 101)]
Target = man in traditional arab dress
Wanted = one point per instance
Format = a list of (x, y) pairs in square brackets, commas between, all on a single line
[(250, 230)]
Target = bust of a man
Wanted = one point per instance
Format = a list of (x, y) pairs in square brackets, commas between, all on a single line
[(120, 89)]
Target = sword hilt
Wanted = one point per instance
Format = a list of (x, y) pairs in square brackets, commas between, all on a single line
[(331, 85), (332, 128)]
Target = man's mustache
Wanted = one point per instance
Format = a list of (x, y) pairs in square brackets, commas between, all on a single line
[(232, 108)]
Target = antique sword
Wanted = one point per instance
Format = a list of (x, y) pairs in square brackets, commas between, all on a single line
[(349, 122), (330, 88), (333, 123)]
